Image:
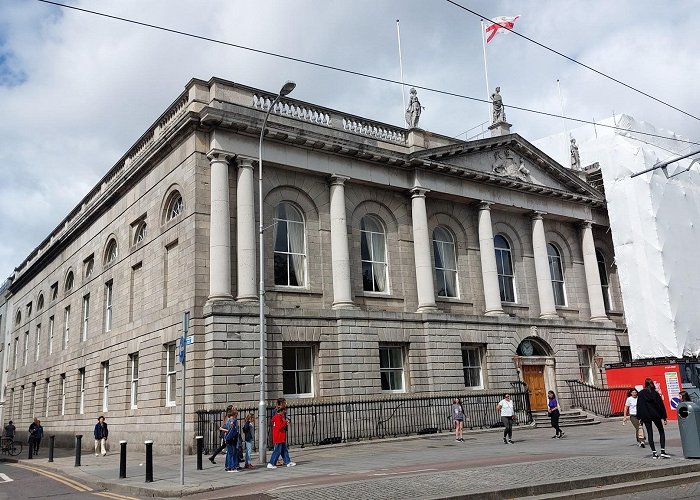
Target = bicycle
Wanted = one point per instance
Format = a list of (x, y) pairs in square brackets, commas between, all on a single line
[(11, 446)]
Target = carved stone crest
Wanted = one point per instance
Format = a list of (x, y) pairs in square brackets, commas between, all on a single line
[(534, 332), (506, 165)]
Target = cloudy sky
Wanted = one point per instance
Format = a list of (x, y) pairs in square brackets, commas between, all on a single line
[(77, 90)]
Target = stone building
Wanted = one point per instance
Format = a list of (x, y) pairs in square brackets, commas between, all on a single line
[(396, 261)]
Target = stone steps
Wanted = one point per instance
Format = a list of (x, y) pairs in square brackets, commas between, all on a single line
[(568, 418)]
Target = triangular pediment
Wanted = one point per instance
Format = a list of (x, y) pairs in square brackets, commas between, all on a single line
[(510, 157)]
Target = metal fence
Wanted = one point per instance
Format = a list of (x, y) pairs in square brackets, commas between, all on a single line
[(320, 423), (603, 401)]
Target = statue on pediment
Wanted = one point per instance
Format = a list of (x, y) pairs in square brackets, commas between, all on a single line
[(499, 111), (575, 158), (506, 166), (413, 110)]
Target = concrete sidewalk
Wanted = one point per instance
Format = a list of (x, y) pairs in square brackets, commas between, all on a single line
[(420, 467)]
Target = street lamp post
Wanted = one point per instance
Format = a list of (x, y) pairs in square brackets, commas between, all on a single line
[(262, 420)]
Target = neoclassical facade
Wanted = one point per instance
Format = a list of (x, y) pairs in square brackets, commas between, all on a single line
[(396, 261)]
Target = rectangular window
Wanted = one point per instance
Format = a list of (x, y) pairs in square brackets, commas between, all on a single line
[(26, 348), (391, 361), (66, 331), (136, 292), (32, 401), (134, 371), (63, 394), (170, 375), (297, 370), (51, 334), (585, 364), (21, 402), (54, 291), (108, 306), (105, 386), (48, 398), (14, 355), (38, 343), (86, 316), (171, 288), (81, 391), (472, 366), (625, 354)]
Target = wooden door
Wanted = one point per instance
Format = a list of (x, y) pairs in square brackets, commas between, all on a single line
[(533, 375)]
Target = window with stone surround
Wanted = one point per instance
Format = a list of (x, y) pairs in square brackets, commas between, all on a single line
[(374, 256), (26, 348), (391, 368), (81, 391), (297, 370), (504, 268), (40, 302), (585, 363), (134, 379), (472, 365), (54, 291), (18, 317), (111, 252), (170, 375), (68, 286), (29, 310), (51, 324), (86, 316), (105, 386), (32, 400), (47, 402), (445, 258), (89, 267), (174, 207), (625, 354), (556, 273), (66, 326), (290, 246), (140, 233), (604, 278), (38, 342), (14, 355), (109, 294), (62, 400)]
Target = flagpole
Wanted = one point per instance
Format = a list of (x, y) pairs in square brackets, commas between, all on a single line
[(563, 121), (486, 72), (403, 96)]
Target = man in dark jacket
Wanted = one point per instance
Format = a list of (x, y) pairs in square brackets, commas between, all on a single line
[(651, 409), (101, 433), (33, 433)]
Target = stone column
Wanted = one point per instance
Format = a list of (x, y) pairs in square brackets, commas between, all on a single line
[(489, 272), (590, 264), (421, 251), (219, 228), (544, 278), (340, 256), (245, 232)]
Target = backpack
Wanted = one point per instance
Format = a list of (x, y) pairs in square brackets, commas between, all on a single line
[(232, 433)]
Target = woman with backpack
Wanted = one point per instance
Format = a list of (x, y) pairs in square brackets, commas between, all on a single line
[(651, 409)]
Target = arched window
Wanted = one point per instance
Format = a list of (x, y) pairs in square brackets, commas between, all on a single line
[(69, 282), (140, 234), (604, 280), (445, 258), (373, 254), (290, 246), (557, 274), (111, 252), (18, 317), (504, 267), (40, 302), (174, 207)]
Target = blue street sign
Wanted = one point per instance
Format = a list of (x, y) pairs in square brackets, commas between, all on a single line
[(190, 339)]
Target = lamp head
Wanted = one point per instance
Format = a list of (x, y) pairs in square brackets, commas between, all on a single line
[(287, 88)]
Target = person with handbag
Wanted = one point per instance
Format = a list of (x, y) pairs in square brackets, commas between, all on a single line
[(651, 410), (505, 406), (631, 413)]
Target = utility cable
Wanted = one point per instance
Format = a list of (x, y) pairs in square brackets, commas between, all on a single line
[(348, 71), (481, 16)]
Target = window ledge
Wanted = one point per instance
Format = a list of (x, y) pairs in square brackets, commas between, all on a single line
[(514, 305), (290, 289), (567, 309), (453, 300), (378, 295)]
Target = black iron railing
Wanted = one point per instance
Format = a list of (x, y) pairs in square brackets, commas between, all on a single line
[(603, 401), (319, 423)]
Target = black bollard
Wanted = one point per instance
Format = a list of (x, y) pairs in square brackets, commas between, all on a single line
[(122, 459), (200, 450), (78, 439), (149, 461), (52, 441), (31, 449)]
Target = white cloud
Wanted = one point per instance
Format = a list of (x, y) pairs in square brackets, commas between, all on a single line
[(76, 90)]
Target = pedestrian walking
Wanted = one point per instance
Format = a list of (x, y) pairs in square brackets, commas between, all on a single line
[(33, 431), (10, 430), (231, 437), (279, 438), (631, 413), (685, 397), (101, 433), (281, 403), (222, 441), (554, 411), (38, 436), (458, 419), (505, 406), (249, 438), (651, 410)]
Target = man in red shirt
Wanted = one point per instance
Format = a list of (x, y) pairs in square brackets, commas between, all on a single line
[(279, 438)]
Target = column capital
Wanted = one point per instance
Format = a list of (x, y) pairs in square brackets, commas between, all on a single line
[(485, 205), (245, 162), (418, 192), (585, 224), (338, 180), (220, 155), (537, 214)]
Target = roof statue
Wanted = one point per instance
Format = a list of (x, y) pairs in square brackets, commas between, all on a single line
[(499, 111), (413, 110), (575, 158)]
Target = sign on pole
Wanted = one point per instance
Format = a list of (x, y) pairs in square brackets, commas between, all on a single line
[(184, 342)]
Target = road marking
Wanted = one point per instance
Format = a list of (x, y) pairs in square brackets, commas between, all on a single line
[(402, 472), (5, 478), (56, 477), (290, 486), (107, 494)]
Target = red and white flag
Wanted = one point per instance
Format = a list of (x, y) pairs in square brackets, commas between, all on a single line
[(499, 25)]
